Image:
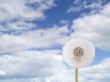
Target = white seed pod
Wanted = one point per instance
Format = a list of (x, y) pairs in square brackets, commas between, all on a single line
[(79, 52)]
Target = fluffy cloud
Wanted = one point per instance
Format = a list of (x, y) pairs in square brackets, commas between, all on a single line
[(23, 9), (32, 66), (17, 15), (19, 26), (42, 38), (95, 27), (29, 64)]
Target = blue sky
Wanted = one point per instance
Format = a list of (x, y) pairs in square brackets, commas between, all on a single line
[(33, 33)]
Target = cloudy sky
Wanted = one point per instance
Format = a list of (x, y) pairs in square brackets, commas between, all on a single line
[(33, 32)]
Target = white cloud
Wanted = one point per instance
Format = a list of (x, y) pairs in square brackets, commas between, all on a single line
[(14, 14), (2, 73), (19, 26), (32, 66), (94, 27), (29, 64), (81, 5), (41, 38), (23, 9), (74, 9)]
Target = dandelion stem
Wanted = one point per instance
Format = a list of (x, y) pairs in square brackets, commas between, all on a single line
[(76, 74)]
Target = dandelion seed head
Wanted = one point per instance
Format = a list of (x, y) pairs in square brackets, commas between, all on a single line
[(79, 52)]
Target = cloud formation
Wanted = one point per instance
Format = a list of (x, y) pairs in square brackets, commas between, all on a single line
[(29, 64), (80, 5), (24, 9), (32, 66), (95, 27), (41, 38), (17, 15)]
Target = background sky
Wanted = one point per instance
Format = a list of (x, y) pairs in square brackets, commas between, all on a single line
[(33, 32)]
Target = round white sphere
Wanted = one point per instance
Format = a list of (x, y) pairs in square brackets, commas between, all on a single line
[(79, 52)]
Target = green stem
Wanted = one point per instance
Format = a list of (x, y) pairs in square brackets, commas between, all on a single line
[(76, 74)]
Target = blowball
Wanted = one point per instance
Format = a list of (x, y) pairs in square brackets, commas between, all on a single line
[(79, 52)]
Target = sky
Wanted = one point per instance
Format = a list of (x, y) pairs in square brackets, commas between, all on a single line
[(33, 33)]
